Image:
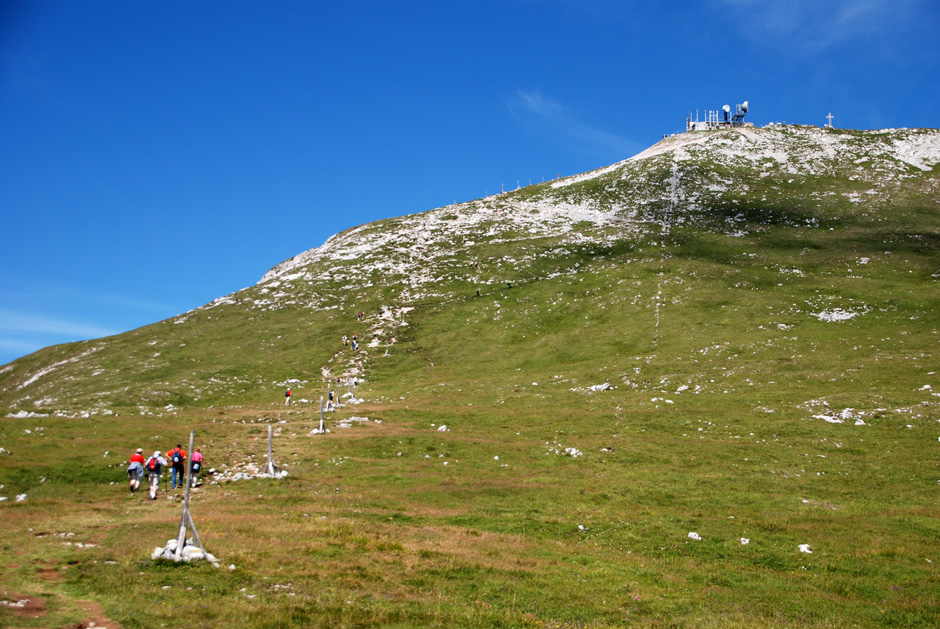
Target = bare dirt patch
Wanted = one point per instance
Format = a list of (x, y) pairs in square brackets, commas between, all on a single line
[(49, 574), (96, 618), (23, 606)]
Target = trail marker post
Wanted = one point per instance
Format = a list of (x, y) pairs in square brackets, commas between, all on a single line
[(321, 415), (186, 521), (270, 468)]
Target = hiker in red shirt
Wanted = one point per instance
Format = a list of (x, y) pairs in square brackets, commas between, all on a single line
[(135, 471), (177, 459)]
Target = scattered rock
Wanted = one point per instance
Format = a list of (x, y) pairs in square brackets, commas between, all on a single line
[(19, 605), (349, 421), (190, 552)]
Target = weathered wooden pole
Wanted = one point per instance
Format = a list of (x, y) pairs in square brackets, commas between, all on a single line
[(186, 520), (270, 468)]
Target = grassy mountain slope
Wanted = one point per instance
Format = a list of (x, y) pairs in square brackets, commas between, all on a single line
[(761, 305)]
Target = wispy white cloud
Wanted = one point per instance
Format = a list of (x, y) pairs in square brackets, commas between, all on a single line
[(18, 347), (35, 291), (808, 26), (534, 106), (31, 323)]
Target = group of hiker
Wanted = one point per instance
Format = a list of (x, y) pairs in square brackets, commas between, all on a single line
[(355, 342), (174, 459)]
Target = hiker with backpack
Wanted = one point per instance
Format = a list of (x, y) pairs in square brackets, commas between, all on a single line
[(154, 467), (135, 471), (287, 395), (177, 458), (196, 466)]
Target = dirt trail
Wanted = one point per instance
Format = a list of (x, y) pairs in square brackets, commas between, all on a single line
[(21, 606), (32, 606), (96, 619)]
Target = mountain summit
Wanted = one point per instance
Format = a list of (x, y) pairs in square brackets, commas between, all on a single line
[(695, 388), (683, 178), (784, 193)]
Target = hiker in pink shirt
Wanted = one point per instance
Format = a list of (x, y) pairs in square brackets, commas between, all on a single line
[(196, 461)]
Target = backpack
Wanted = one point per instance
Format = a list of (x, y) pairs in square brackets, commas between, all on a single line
[(152, 464), (177, 459)]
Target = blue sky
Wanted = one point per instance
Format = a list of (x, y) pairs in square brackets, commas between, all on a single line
[(157, 155)]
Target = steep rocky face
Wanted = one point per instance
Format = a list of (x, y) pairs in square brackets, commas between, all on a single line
[(689, 177), (795, 183)]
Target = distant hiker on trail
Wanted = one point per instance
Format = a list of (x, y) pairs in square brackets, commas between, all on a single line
[(508, 284), (478, 292), (177, 458), (345, 341), (135, 470), (355, 345), (329, 402), (196, 466), (154, 466), (287, 398)]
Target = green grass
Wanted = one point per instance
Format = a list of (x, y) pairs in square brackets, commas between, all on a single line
[(718, 366)]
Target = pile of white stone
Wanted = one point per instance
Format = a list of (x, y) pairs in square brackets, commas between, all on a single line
[(191, 552), (594, 387), (349, 398), (349, 421), (246, 471), (247, 476)]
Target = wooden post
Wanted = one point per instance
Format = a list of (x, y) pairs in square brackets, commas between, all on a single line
[(321, 415), (186, 520), (270, 468)]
